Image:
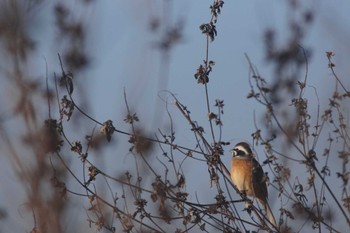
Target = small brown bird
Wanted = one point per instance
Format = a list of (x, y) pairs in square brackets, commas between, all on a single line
[(248, 176)]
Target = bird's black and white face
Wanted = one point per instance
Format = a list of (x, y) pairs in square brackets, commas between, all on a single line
[(242, 149)]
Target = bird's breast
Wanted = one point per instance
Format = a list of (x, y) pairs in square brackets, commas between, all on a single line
[(241, 175)]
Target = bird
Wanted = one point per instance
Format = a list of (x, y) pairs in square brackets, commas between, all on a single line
[(248, 176)]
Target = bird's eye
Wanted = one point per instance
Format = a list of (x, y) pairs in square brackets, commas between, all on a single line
[(238, 152)]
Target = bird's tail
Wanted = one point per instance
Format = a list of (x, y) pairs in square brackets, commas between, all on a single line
[(269, 213)]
